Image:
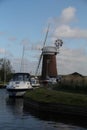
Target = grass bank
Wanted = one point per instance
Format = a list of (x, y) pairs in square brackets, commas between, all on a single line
[(46, 95)]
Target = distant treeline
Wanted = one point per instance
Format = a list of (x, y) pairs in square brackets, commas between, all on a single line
[(6, 71)]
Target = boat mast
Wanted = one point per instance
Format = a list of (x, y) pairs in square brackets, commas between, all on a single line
[(4, 67), (22, 60)]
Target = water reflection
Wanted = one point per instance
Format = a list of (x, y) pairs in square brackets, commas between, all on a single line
[(15, 105), (29, 118), (58, 118)]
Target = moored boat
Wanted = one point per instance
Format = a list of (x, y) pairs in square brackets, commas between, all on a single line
[(35, 82), (19, 84)]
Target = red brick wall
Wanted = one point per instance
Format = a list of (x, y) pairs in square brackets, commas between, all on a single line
[(49, 66)]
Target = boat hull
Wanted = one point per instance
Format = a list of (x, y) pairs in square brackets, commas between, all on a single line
[(17, 92)]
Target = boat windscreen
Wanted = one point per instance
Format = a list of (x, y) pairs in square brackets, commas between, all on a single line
[(21, 77)]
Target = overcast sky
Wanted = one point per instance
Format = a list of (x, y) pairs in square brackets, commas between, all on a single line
[(24, 23)]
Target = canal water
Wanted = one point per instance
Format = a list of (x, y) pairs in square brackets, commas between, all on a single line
[(13, 116)]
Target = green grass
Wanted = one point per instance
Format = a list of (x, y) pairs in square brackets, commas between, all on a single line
[(53, 96)]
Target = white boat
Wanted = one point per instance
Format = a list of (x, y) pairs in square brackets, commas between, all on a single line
[(50, 80), (35, 82), (19, 84)]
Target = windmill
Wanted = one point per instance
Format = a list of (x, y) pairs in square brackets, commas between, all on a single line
[(48, 57)]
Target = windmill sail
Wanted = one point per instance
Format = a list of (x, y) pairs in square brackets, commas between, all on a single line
[(46, 35), (42, 52), (38, 64)]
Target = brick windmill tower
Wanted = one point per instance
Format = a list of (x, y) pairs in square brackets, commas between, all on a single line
[(48, 57)]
